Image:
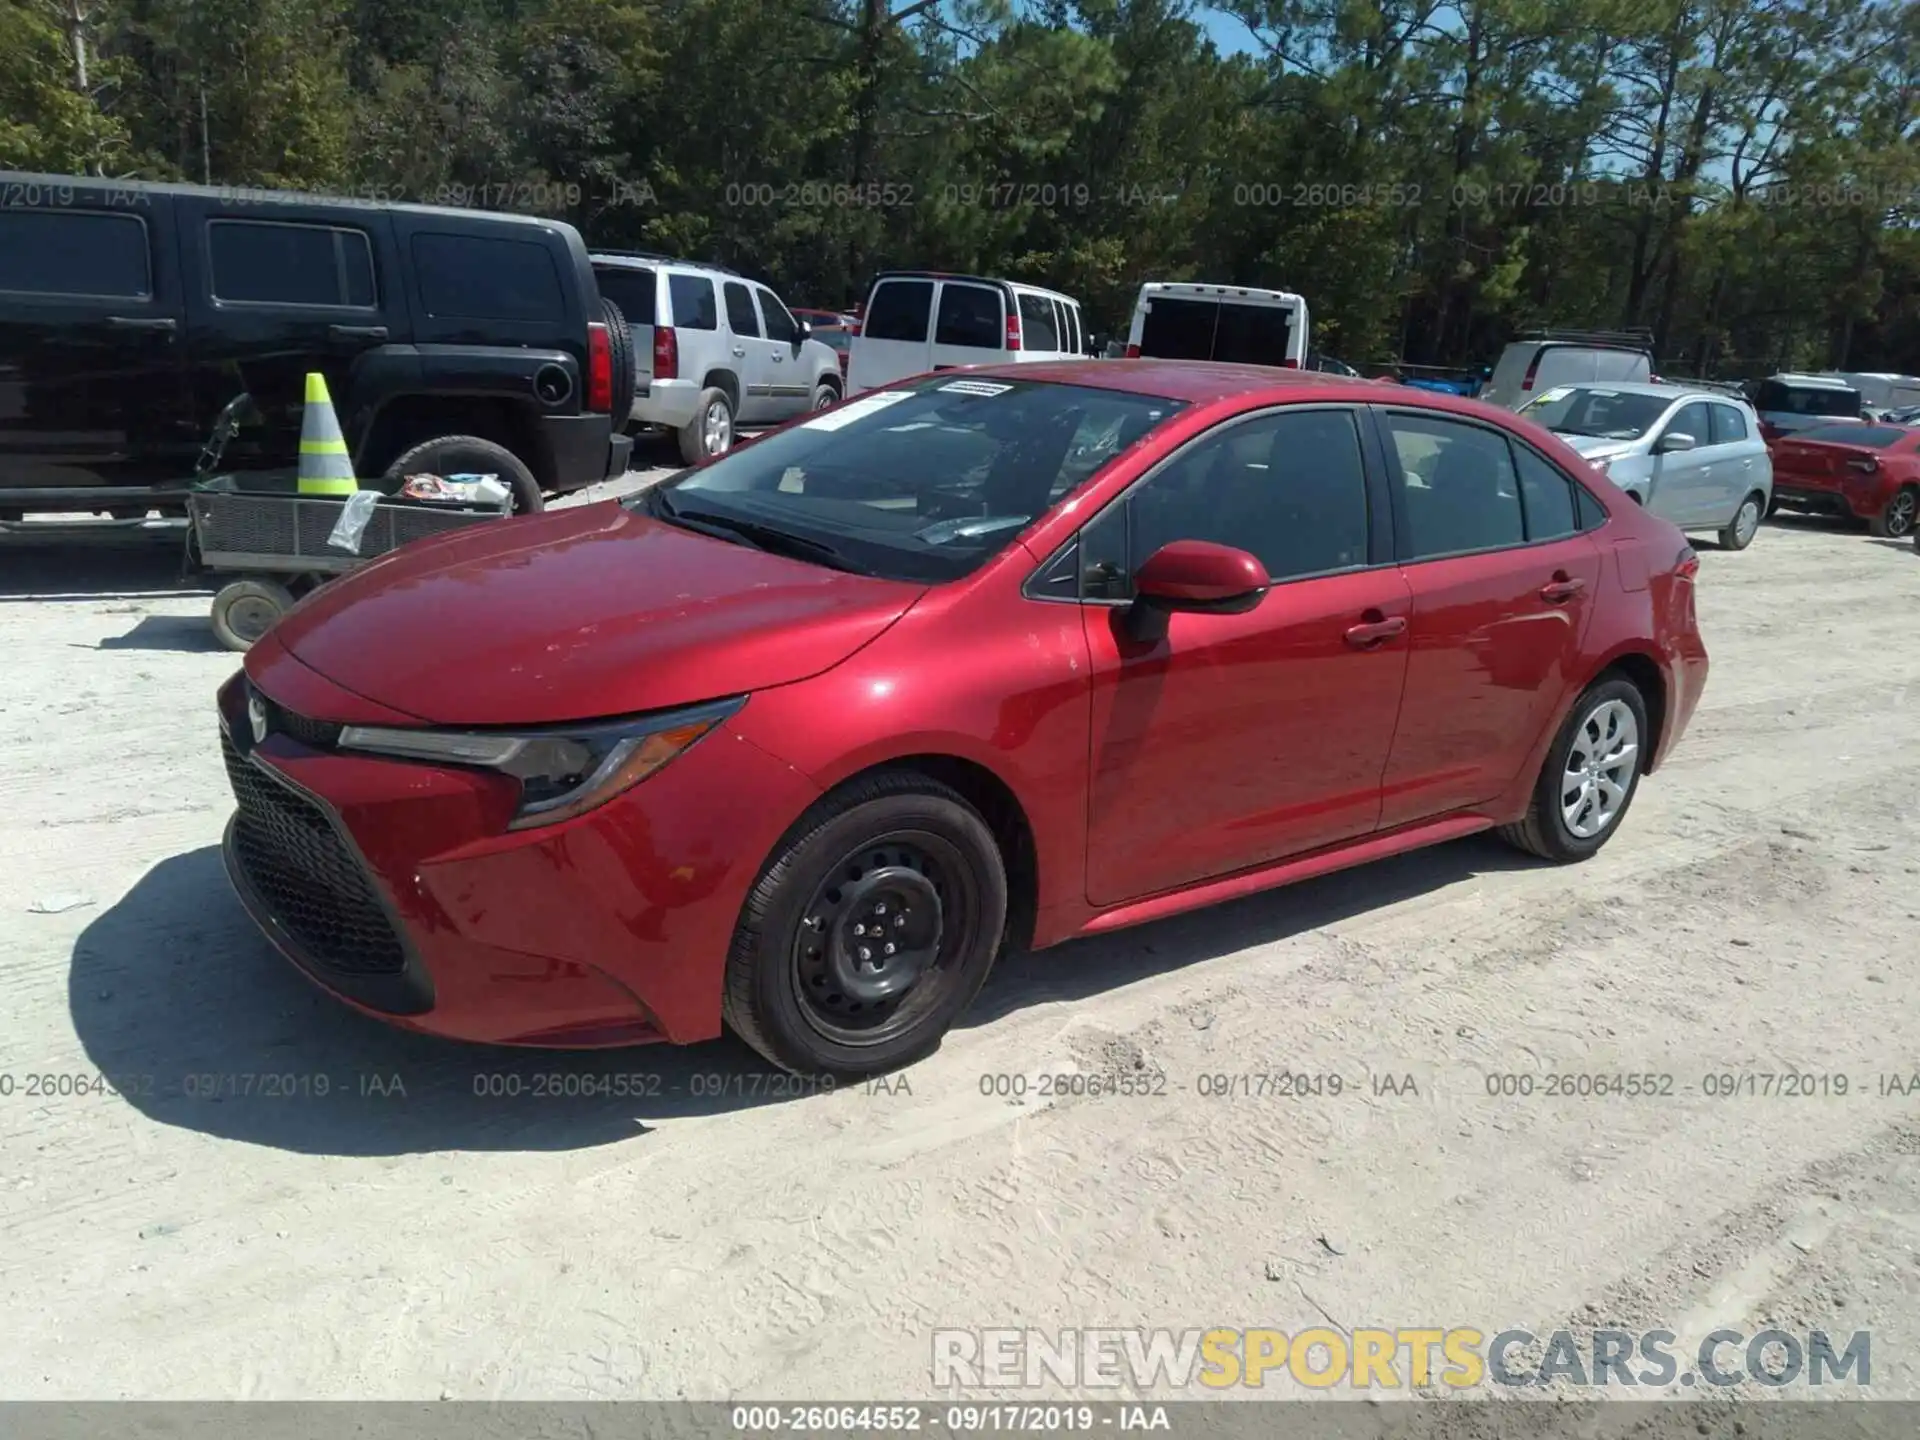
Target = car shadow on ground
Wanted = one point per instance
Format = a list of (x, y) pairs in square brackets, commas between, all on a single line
[(180, 634), (147, 565), (187, 1012)]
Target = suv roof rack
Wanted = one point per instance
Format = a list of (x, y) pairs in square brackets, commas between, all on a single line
[(660, 257), (1638, 339)]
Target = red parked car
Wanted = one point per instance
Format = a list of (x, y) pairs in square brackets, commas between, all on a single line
[(1868, 472), (799, 740)]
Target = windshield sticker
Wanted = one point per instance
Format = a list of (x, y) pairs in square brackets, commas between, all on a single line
[(1559, 392), (857, 410), (986, 389)]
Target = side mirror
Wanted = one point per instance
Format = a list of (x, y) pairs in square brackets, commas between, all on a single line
[(806, 329), (1196, 577), (1673, 440)]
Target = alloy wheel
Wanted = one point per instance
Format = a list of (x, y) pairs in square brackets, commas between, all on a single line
[(1600, 769), (1901, 512), (717, 429), (1747, 521)]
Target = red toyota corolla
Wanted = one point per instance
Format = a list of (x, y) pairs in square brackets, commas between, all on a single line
[(798, 741)]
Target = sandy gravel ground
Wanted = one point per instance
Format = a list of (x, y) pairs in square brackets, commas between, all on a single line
[(1759, 914)]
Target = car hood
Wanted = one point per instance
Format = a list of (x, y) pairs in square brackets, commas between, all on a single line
[(579, 614), (1597, 447)]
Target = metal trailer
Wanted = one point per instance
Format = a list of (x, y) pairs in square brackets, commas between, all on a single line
[(277, 548)]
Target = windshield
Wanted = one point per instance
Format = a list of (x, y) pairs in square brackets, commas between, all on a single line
[(1599, 413), (923, 482), (1793, 400)]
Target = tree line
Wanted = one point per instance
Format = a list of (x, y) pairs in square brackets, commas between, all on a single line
[(1739, 177)]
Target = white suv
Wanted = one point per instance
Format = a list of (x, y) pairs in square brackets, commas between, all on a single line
[(920, 320), (713, 350)]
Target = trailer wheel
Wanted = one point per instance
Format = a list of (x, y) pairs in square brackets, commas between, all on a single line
[(245, 609)]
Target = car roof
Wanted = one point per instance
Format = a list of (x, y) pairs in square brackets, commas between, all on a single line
[(1662, 392), (992, 280), (1204, 381)]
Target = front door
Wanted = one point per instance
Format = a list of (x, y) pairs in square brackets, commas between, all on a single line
[(1241, 739), (91, 351), (1685, 486), (790, 391), (1503, 583)]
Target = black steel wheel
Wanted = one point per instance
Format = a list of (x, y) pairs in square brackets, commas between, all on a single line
[(870, 931)]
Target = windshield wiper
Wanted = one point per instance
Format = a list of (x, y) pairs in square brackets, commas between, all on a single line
[(764, 537)]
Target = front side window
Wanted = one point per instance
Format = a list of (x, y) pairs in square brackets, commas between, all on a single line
[(1458, 490), (780, 325), (1692, 420), (1289, 488), (922, 482)]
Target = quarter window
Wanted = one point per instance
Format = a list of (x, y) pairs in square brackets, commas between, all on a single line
[(474, 277), (692, 299)]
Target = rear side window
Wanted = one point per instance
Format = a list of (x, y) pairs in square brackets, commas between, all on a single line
[(1253, 334), (899, 310), (1547, 497), (970, 317), (1729, 425), (741, 316), (1039, 326), (261, 263), (631, 291), (1458, 492), (693, 303), (473, 277), (74, 252)]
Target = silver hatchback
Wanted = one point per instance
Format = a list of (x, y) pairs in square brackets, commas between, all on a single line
[(1694, 457)]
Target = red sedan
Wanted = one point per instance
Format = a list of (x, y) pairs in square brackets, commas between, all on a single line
[(800, 740), (1867, 472)]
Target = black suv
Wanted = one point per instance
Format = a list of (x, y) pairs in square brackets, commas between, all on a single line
[(140, 322)]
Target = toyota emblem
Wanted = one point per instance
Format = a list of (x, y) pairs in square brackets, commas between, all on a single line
[(257, 716)]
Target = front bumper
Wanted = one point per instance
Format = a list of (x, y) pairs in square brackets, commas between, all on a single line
[(610, 929)]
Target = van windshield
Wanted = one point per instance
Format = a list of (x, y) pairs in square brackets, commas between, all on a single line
[(1781, 398), (922, 482), (1244, 334), (1597, 412)]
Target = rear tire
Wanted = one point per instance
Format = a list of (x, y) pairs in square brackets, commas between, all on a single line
[(467, 455), (620, 334), (894, 857), (1739, 531), (1897, 520), (246, 609), (710, 432), (1611, 714)]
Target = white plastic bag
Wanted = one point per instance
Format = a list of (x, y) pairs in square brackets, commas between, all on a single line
[(352, 524)]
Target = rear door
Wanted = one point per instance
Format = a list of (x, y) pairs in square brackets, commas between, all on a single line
[(752, 354), (896, 334), (1040, 321), (1503, 583), (92, 332), (277, 290), (1741, 458), (970, 325)]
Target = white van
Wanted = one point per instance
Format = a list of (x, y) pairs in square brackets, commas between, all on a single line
[(1879, 389), (1173, 321), (1568, 357), (920, 320)]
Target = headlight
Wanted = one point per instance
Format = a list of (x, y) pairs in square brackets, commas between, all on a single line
[(563, 771)]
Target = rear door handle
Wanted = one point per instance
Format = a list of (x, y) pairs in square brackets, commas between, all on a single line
[(739, 349), (142, 322), (1375, 632), (357, 332), (1555, 591)]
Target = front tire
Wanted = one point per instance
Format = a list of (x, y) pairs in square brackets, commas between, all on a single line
[(825, 396), (1897, 520), (1589, 777), (1739, 531), (870, 931)]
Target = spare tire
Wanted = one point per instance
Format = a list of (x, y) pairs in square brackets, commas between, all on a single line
[(620, 334), (467, 455)]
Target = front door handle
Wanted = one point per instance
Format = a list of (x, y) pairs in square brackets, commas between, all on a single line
[(357, 332), (142, 322), (1372, 634), (1561, 588)]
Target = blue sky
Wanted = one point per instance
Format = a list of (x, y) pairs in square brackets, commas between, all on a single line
[(1229, 32)]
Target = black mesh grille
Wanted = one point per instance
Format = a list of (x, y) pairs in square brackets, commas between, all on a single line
[(306, 876), (317, 734)]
